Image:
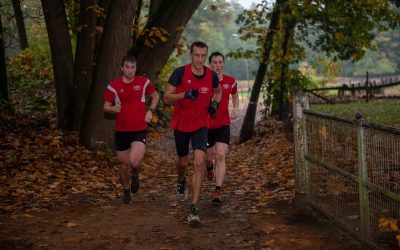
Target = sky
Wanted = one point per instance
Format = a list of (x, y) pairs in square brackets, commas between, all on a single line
[(247, 3)]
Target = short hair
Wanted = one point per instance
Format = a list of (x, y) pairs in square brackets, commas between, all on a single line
[(214, 54), (128, 58), (198, 44)]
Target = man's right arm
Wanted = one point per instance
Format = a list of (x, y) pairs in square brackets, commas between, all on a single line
[(170, 95), (110, 108), (110, 104)]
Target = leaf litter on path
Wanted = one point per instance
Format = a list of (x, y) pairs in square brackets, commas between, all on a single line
[(46, 174)]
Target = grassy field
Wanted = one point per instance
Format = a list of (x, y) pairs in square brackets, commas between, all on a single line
[(377, 111), (245, 84)]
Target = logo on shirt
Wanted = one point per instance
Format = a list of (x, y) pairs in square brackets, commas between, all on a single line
[(121, 90), (189, 81), (203, 90), (225, 86), (137, 87)]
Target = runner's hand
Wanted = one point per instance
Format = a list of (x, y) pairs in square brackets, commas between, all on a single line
[(212, 109), (191, 94), (148, 116), (234, 114), (117, 108)]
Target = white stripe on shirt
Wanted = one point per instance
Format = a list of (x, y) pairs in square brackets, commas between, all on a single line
[(234, 84), (144, 90), (117, 100)]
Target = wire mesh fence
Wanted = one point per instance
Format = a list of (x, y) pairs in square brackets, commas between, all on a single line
[(353, 176)]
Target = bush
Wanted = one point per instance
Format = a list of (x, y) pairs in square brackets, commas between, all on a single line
[(30, 79)]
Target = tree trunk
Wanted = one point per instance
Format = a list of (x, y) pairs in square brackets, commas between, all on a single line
[(288, 26), (23, 38), (136, 22), (172, 16), (154, 6), (115, 43), (283, 76), (3, 70), (84, 58), (249, 120), (101, 20), (61, 55)]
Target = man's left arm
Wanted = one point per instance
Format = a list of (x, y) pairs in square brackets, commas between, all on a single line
[(217, 88), (217, 94), (235, 104), (212, 109), (235, 96), (154, 101)]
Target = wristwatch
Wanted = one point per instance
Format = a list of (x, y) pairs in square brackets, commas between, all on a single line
[(151, 109)]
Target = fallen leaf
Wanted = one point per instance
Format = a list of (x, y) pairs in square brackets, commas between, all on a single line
[(252, 211), (71, 224)]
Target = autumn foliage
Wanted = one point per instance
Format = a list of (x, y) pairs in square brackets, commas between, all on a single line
[(43, 167)]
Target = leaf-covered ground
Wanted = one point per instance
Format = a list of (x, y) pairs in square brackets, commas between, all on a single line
[(56, 194)]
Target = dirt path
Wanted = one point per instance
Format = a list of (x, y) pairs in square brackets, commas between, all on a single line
[(159, 223), (257, 212)]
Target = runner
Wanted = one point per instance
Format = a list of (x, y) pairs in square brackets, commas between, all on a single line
[(195, 92), (125, 97), (219, 127)]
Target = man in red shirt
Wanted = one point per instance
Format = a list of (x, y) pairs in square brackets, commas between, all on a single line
[(195, 92), (126, 98), (219, 127)]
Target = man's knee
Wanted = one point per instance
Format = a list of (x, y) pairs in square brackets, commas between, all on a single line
[(123, 160), (124, 167), (199, 162), (135, 163), (183, 162), (220, 156)]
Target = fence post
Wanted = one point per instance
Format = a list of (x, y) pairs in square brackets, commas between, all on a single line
[(363, 178), (300, 102)]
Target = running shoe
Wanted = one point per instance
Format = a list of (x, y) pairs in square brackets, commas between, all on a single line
[(193, 216), (135, 184), (210, 173), (181, 193), (217, 198), (126, 197)]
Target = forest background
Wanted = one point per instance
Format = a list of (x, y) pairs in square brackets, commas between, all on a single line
[(223, 25), (220, 30)]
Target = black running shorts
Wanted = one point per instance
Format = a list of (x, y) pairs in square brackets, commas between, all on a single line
[(124, 139), (221, 134), (198, 138)]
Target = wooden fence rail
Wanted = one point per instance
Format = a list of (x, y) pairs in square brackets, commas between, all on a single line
[(370, 90)]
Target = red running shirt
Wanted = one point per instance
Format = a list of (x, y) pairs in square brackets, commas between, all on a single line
[(189, 116), (229, 87), (132, 97)]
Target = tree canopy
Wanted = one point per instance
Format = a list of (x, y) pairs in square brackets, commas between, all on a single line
[(331, 36)]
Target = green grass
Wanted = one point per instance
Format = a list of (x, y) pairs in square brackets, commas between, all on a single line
[(377, 111)]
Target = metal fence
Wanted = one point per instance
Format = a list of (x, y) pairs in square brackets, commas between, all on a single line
[(350, 171)]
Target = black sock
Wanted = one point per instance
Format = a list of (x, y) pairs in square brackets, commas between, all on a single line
[(135, 171), (218, 188), (210, 167)]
